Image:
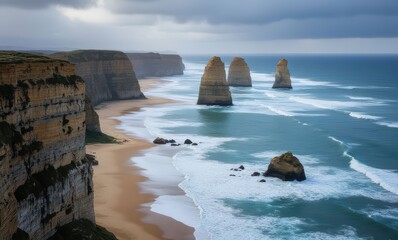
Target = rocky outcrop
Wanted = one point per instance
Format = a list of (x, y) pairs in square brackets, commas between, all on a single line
[(282, 75), (109, 75), (92, 119), (239, 73), (156, 65), (45, 181), (286, 167), (214, 89)]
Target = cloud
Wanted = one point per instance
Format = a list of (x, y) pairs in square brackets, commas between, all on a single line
[(38, 4), (252, 11)]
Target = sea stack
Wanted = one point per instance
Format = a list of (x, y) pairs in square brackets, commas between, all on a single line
[(282, 75), (239, 73), (286, 167), (214, 89)]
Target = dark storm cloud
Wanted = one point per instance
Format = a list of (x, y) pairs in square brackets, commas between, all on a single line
[(312, 18), (37, 4)]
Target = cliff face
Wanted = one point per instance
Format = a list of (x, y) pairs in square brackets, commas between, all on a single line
[(45, 181), (109, 75), (92, 119), (214, 89), (282, 75), (156, 65), (239, 73)]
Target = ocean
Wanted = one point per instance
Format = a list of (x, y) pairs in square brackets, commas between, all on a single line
[(340, 119)]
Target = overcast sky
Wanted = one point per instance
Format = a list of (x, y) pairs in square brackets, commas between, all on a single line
[(203, 26)]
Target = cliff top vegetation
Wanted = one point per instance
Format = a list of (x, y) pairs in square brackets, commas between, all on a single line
[(7, 57)]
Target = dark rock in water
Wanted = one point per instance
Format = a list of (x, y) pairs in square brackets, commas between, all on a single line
[(262, 180), (286, 167), (232, 175), (242, 167), (282, 75), (175, 144), (171, 141), (187, 141), (255, 174), (194, 144), (237, 169), (159, 140)]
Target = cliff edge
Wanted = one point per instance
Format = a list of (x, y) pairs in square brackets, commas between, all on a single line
[(156, 65), (109, 75), (45, 179)]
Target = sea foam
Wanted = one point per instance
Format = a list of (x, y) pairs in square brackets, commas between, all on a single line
[(387, 179), (360, 115)]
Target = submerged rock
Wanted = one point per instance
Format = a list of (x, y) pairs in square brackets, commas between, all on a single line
[(214, 89), (282, 75), (239, 73), (286, 167)]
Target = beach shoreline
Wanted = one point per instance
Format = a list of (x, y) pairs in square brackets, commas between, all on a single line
[(119, 199)]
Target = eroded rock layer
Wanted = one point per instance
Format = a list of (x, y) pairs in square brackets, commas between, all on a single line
[(109, 75), (45, 181), (214, 89), (239, 73), (156, 65), (92, 119), (282, 75)]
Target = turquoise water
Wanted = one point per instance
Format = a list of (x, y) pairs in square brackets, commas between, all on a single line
[(340, 119)]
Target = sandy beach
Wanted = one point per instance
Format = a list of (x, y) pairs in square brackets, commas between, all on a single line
[(118, 197)]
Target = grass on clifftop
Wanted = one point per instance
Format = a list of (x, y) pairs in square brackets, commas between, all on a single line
[(19, 57), (99, 137)]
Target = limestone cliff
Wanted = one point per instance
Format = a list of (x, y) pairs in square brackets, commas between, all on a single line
[(156, 65), (239, 73), (92, 119), (45, 181), (109, 75), (282, 75), (214, 89)]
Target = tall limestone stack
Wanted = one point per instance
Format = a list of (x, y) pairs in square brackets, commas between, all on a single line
[(282, 76), (109, 75), (45, 180), (214, 89), (239, 73)]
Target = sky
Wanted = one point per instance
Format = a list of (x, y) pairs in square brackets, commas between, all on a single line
[(202, 26)]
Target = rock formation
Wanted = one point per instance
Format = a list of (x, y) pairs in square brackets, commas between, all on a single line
[(45, 180), (239, 73), (156, 65), (92, 119), (282, 75), (214, 89), (109, 75), (286, 167)]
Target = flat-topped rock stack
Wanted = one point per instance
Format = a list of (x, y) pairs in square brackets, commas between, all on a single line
[(282, 75), (239, 73), (214, 89)]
